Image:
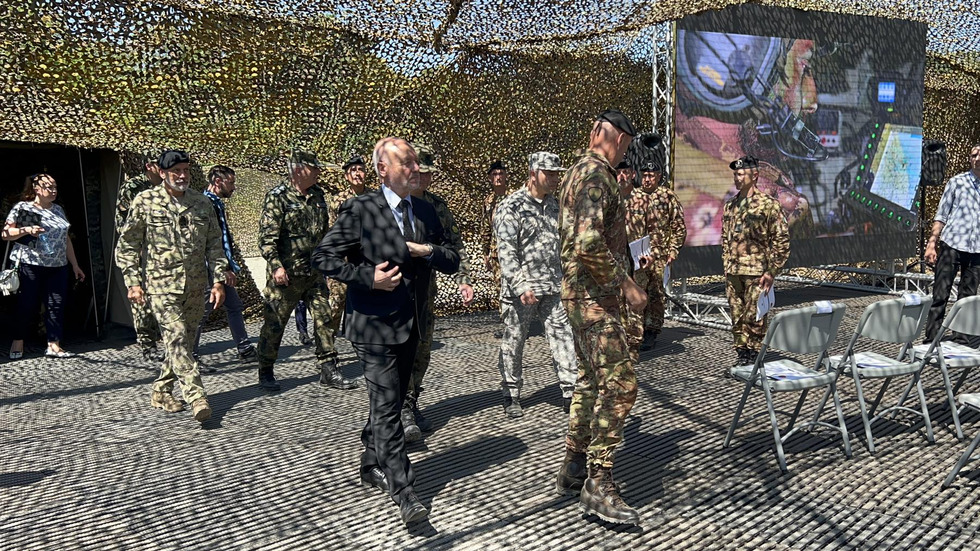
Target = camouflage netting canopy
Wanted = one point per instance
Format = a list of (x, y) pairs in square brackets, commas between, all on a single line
[(241, 81)]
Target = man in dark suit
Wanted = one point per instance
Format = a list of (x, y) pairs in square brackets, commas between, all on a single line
[(384, 246)]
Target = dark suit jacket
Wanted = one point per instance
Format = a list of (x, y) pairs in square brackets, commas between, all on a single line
[(365, 235)]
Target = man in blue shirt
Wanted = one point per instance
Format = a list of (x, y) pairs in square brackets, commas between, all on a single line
[(954, 245), (221, 184)]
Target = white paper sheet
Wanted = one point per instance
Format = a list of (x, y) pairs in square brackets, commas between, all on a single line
[(639, 248), (667, 277), (766, 302)]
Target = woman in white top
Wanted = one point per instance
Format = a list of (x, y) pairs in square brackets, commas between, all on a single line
[(40, 231)]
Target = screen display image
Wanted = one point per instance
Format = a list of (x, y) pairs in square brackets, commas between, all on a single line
[(831, 105)]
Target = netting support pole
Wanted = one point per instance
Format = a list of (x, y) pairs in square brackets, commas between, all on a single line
[(663, 88)]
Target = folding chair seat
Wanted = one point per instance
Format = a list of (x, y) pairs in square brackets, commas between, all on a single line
[(898, 321), (803, 331), (971, 401), (963, 318)]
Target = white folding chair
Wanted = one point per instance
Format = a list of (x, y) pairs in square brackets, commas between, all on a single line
[(897, 321), (963, 318), (809, 330), (971, 401)]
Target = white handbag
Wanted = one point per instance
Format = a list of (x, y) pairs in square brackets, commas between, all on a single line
[(9, 277)]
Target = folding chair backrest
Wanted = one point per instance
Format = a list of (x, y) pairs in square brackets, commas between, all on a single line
[(965, 316), (893, 320), (804, 330)]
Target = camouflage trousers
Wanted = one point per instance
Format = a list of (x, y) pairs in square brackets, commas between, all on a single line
[(146, 326), (278, 304), (179, 316), (743, 296), (337, 301), (606, 387), (652, 282), (423, 354), (633, 325), (517, 319)]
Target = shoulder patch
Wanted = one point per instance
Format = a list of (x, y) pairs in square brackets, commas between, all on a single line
[(455, 229), (595, 194)]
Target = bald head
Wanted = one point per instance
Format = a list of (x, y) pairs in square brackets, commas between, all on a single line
[(609, 141), (397, 166)]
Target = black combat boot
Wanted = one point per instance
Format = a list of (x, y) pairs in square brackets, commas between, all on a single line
[(331, 376), (267, 379), (649, 340), (601, 497), (572, 474), (423, 424), (412, 431)]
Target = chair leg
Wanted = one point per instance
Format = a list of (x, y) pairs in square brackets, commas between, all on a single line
[(952, 401), (925, 408), (796, 412), (962, 462), (840, 419), (738, 413), (961, 380), (864, 413), (881, 394), (780, 456), (823, 404)]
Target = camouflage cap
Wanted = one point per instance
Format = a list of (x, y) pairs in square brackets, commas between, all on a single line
[(307, 158), (747, 161), (543, 160), (426, 157)]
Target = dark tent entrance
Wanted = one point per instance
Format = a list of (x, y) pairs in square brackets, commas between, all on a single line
[(88, 181)]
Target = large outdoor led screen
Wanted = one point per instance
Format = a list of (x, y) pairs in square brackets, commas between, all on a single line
[(832, 107)]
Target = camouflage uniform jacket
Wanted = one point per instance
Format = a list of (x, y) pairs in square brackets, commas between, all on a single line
[(592, 225), (338, 198), (527, 245), (754, 236), (448, 221), (290, 227), (669, 232), (490, 203), (180, 239), (127, 193)]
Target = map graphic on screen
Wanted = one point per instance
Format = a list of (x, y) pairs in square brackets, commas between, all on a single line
[(830, 104)]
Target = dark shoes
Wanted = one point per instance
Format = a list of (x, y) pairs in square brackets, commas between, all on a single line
[(248, 356), (601, 498), (267, 379), (572, 474), (649, 340), (566, 404), (304, 339), (412, 431), (512, 407), (331, 376), (203, 366), (375, 477), (411, 508)]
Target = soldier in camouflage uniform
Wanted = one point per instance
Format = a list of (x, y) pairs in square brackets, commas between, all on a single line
[(293, 221), (526, 230), (635, 229), (754, 247), (592, 224), (354, 174), (147, 330), (663, 220), (177, 230), (498, 182), (413, 422)]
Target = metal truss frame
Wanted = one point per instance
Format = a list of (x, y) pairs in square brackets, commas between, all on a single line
[(663, 89)]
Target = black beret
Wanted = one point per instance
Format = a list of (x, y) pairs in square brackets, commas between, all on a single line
[(616, 118), (171, 157), (747, 161), (497, 165), (623, 165), (354, 160), (651, 166)]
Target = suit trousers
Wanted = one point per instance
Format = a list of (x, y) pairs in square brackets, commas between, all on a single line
[(948, 262), (387, 369)]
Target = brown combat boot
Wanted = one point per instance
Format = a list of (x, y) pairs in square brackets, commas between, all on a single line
[(601, 497), (166, 402), (572, 474), (201, 410)]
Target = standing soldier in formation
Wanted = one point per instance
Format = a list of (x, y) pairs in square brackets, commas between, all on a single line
[(754, 247), (413, 421), (593, 256), (526, 230), (175, 227), (636, 223), (147, 329), (665, 225), (498, 184), (293, 221)]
